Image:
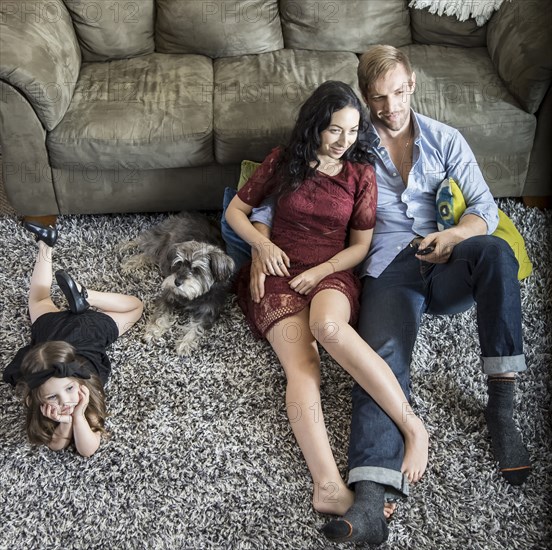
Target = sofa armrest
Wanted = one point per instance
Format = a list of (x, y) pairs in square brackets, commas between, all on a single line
[(539, 175), (26, 171), (519, 43), (40, 55)]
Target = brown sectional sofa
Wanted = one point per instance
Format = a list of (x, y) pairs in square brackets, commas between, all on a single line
[(150, 105)]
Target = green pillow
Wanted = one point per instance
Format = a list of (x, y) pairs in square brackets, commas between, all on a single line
[(248, 167), (450, 207)]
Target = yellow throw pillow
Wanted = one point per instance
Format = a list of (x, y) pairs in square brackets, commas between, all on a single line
[(248, 167), (450, 207)]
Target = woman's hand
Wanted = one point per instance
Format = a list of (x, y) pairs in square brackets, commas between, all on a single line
[(274, 260), (84, 399), (307, 280), (53, 412)]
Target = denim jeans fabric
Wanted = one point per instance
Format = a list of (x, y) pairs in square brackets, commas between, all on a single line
[(236, 247), (481, 270)]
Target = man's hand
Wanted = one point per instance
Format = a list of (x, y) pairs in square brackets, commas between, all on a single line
[(256, 279), (442, 242)]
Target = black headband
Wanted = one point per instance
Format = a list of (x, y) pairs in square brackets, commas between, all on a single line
[(59, 370)]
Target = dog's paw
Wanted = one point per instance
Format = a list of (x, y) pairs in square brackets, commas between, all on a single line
[(188, 343), (153, 333), (185, 348)]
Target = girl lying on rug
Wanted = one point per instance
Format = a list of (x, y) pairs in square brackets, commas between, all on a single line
[(61, 373)]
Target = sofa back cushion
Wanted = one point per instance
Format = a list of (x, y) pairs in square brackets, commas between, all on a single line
[(257, 97), (218, 28), (446, 30), (344, 25), (520, 41), (113, 30), (473, 99)]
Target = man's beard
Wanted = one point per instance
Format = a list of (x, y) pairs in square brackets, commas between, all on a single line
[(397, 124)]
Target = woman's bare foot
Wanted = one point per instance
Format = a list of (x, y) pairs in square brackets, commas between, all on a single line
[(332, 498), (328, 501), (389, 509), (416, 448)]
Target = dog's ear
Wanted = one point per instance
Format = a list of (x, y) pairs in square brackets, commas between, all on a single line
[(166, 263), (222, 266), (171, 253)]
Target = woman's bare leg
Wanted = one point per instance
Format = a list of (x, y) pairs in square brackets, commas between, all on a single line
[(330, 313), (298, 353)]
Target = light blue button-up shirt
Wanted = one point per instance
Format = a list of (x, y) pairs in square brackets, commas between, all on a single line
[(403, 212)]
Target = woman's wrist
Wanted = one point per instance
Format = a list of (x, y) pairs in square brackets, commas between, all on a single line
[(261, 245), (332, 264)]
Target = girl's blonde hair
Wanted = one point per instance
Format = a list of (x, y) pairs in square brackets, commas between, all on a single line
[(40, 358), (377, 61)]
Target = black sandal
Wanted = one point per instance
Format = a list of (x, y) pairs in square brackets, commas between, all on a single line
[(77, 300), (45, 233)]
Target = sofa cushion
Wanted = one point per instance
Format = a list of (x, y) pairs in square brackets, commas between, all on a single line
[(153, 111), (113, 30), (39, 55), (519, 39), (344, 25), (447, 30), (218, 28), (257, 97), (473, 99)]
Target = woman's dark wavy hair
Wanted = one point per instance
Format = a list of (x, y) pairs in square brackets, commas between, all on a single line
[(315, 115)]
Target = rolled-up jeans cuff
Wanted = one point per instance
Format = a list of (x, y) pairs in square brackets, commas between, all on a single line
[(396, 484), (500, 365)]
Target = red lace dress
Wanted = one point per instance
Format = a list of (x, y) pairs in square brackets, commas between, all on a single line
[(310, 225)]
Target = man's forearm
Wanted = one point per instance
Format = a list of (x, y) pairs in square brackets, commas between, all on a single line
[(469, 225), (262, 229)]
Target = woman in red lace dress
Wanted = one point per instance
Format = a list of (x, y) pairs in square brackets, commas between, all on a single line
[(325, 192)]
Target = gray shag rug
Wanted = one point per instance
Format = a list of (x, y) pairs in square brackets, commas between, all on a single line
[(201, 454)]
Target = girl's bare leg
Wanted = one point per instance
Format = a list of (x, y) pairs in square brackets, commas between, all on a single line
[(330, 313), (125, 310), (298, 353), (39, 299)]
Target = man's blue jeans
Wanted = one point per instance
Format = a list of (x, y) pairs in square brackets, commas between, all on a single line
[(236, 247), (481, 270)]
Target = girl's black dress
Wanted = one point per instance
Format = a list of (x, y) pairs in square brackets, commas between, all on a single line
[(90, 333)]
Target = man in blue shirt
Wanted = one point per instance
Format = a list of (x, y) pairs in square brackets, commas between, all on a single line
[(411, 269)]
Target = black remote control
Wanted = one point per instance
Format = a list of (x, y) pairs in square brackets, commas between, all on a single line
[(425, 251)]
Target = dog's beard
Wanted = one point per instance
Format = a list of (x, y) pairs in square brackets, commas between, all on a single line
[(191, 287)]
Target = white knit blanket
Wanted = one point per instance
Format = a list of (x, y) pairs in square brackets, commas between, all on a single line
[(480, 10)]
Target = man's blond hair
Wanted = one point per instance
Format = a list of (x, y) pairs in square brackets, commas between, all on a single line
[(377, 61)]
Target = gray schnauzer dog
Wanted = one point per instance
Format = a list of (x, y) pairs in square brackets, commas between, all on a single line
[(188, 250)]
